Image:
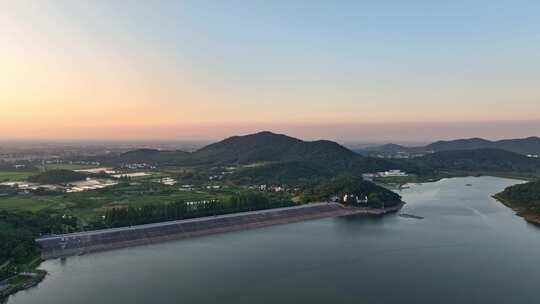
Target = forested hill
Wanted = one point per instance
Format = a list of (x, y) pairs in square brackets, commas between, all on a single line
[(527, 194), (529, 145), (459, 144), (283, 159), (491, 160), (524, 198), (259, 147), (267, 146), (525, 146)]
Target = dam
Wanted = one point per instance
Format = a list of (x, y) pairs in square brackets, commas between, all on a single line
[(107, 239)]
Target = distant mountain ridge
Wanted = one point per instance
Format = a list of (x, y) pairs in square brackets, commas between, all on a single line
[(268, 146), (388, 148), (259, 147), (525, 146), (284, 159), (460, 144), (485, 159)]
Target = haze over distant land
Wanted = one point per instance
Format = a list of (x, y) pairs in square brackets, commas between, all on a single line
[(347, 70), (403, 133)]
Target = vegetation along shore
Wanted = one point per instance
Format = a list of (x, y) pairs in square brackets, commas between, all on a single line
[(524, 199)]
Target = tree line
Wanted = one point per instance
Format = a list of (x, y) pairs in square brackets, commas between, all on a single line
[(352, 185), (18, 231), (129, 216)]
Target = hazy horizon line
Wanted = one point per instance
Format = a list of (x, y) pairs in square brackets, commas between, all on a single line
[(341, 132)]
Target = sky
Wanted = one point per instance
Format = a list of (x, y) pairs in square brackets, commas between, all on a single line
[(346, 70)]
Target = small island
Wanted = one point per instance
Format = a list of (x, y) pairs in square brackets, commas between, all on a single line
[(524, 199)]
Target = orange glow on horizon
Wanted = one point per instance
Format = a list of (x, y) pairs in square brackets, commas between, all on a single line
[(69, 80)]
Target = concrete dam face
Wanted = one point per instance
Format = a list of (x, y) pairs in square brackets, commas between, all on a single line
[(107, 239)]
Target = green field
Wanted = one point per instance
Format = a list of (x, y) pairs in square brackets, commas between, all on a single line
[(90, 204), (25, 202), (14, 176), (69, 167)]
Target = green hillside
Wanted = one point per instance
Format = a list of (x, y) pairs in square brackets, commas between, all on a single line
[(525, 146), (259, 147), (525, 198), (310, 172), (485, 160)]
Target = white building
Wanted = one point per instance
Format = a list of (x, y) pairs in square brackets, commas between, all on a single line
[(168, 181), (392, 173)]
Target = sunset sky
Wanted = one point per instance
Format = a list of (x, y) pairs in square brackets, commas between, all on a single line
[(348, 70)]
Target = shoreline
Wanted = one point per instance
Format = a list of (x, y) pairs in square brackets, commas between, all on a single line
[(528, 216), (33, 279), (428, 180)]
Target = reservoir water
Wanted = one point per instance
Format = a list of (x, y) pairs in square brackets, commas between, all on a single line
[(464, 247)]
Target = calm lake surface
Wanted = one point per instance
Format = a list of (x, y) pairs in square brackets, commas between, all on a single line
[(468, 248)]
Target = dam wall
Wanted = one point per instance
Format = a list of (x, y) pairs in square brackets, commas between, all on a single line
[(107, 239)]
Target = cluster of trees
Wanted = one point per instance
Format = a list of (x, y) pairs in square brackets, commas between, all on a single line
[(119, 217), (356, 186), (57, 177), (18, 231), (291, 173)]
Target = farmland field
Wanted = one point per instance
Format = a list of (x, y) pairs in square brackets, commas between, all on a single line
[(90, 204), (14, 176), (69, 167)]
